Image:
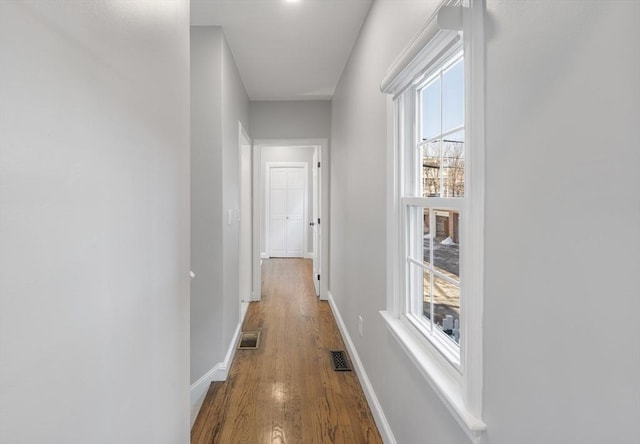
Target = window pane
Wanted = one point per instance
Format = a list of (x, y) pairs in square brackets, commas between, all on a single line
[(446, 243), (431, 167), (446, 307), (452, 168), (430, 102), (426, 301), (453, 96)]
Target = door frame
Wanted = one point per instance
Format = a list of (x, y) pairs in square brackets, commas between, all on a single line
[(245, 235), (322, 145), (267, 203), (316, 197)]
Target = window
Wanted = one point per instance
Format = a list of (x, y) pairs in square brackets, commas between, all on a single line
[(435, 206), (434, 203)]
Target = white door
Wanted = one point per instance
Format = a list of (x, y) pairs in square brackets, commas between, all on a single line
[(286, 211), (315, 220)]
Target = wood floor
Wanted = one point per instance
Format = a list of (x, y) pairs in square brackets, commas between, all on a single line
[(286, 391)]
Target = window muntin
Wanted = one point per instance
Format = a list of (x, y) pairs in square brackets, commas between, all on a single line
[(434, 204)]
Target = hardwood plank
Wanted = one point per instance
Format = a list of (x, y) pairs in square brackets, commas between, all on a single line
[(286, 391), (204, 421)]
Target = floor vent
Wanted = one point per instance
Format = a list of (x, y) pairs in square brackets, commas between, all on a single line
[(249, 340), (340, 362)]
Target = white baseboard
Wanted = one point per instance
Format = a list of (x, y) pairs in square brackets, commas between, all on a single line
[(201, 386), (369, 393), (218, 373), (306, 255), (244, 306)]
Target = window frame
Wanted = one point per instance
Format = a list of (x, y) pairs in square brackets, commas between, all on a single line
[(457, 382)]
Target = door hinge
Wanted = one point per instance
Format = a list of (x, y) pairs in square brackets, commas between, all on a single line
[(318, 277), (318, 221), (318, 164)]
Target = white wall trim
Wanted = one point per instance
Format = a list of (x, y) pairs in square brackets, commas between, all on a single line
[(219, 372), (376, 409), (473, 317), (264, 255), (201, 386), (245, 229)]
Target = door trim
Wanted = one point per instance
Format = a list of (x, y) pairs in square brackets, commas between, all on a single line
[(245, 235), (323, 147)]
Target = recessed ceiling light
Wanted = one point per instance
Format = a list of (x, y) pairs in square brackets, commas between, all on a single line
[(292, 1)]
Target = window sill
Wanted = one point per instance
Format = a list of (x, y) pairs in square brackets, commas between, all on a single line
[(441, 375)]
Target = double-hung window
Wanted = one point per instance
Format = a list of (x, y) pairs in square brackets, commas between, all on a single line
[(435, 206), (433, 202)]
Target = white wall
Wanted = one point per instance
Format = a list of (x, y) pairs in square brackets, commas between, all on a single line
[(562, 223), (562, 336), (305, 119), (235, 108), (94, 222), (287, 154), (207, 214), (219, 101)]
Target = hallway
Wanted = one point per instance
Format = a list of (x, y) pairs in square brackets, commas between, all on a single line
[(286, 391)]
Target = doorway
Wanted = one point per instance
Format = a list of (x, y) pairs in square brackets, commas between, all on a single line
[(310, 152)]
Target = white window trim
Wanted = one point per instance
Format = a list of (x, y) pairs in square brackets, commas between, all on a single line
[(459, 388)]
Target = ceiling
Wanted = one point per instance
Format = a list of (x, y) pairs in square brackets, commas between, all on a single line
[(286, 50)]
